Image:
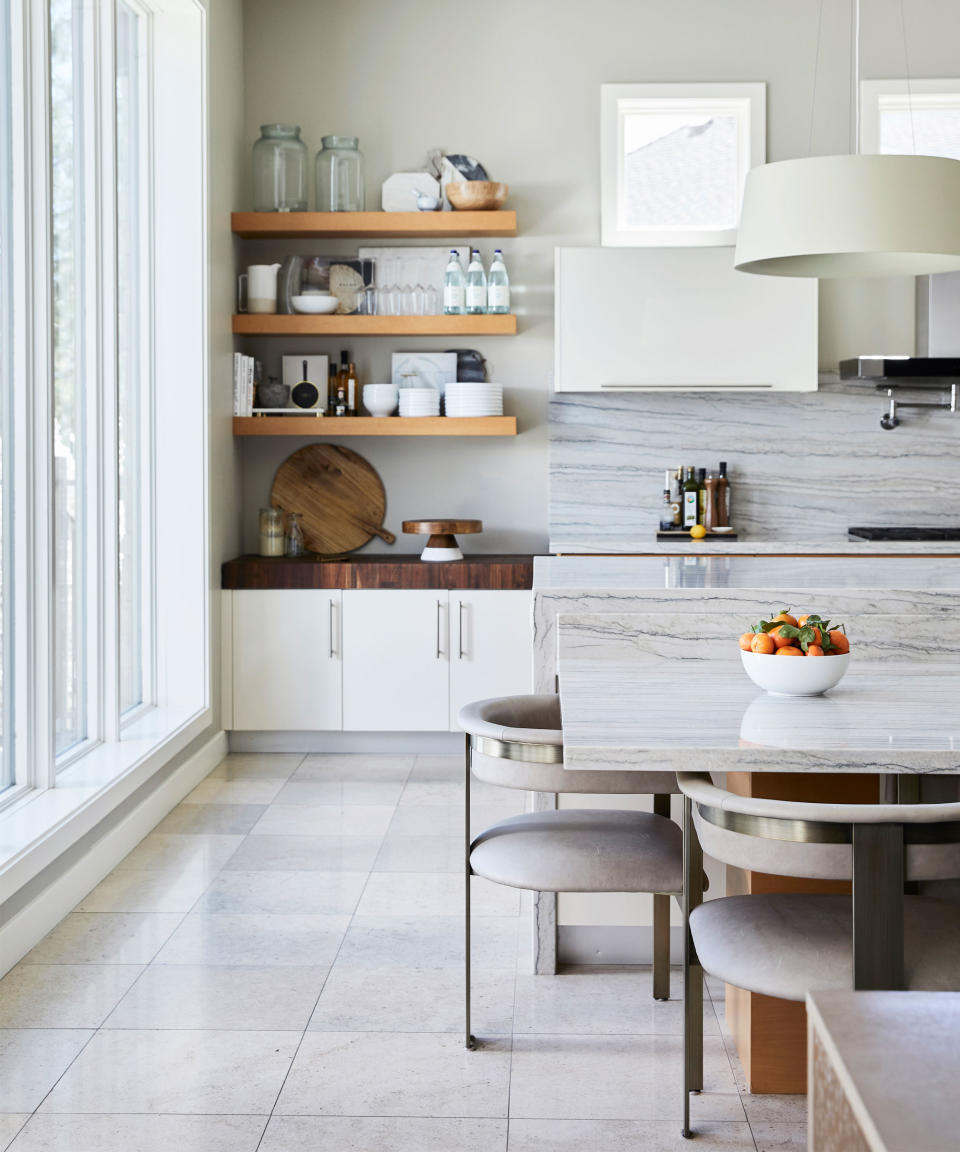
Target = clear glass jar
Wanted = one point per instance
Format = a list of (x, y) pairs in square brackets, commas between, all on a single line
[(339, 175), (271, 532), (280, 169), (293, 544)]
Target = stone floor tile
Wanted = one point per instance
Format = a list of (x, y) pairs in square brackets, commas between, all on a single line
[(305, 853), (780, 1137), (207, 1073), (340, 793), (773, 1109), (420, 854), (144, 1133), (447, 819), (216, 791), (428, 942), (32, 1060), (257, 766), (211, 819), (285, 893), (434, 894), (324, 820), (165, 890), (396, 1074), (105, 938), (298, 941), (184, 996), (63, 995), (382, 1134), (162, 851), (616, 1078), (625, 1136), (10, 1125), (413, 1000), (355, 767)]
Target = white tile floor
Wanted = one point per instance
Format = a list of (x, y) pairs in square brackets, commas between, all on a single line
[(278, 968)]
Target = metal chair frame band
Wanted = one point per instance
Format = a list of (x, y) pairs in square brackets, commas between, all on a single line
[(517, 750), (819, 831)]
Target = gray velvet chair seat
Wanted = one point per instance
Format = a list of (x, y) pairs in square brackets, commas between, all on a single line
[(786, 944), (582, 850)]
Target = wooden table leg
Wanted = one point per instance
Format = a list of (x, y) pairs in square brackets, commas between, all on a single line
[(877, 907)]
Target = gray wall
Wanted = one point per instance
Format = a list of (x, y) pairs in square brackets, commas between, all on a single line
[(516, 83)]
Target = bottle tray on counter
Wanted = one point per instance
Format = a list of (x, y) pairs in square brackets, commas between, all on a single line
[(684, 534)]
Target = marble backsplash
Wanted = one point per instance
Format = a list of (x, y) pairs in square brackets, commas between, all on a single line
[(803, 466)]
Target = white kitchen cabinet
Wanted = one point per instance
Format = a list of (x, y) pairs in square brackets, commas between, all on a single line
[(396, 660), (490, 646), (674, 319), (286, 660)]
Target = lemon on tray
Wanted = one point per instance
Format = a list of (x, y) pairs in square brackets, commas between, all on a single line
[(697, 532)]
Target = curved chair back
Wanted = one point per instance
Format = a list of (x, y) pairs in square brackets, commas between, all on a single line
[(787, 838), (517, 742)]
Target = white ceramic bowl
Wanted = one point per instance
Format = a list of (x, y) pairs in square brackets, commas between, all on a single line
[(380, 399), (315, 304), (795, 675)]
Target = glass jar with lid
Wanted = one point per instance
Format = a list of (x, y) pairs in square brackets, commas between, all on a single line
[(280, 169), (340, 175)]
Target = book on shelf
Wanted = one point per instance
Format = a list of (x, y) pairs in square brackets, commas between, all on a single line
[(246, 374)]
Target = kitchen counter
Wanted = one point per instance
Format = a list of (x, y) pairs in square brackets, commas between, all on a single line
[(476, 571), (717, 546)]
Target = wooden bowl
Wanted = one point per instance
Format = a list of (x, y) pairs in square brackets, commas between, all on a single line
[(476, 195)]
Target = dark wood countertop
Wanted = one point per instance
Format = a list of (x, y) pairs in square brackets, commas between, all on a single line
[(476, 571)]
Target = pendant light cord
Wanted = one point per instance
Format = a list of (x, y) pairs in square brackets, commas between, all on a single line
[(906, 68), (816, 72)]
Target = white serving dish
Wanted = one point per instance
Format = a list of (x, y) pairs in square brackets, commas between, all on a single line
[(315, 304), (795, 675), (380, 399)]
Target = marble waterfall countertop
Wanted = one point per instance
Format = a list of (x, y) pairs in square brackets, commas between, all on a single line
[(717, 546), (683, 713)]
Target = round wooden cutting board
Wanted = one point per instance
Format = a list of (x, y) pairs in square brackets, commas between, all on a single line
[(339, 495)]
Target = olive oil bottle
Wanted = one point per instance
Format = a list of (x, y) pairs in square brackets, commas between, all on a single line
[(691, 498)]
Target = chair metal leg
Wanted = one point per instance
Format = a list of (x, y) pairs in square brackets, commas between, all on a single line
[(692, 972), (661, 923), (468, 1035)]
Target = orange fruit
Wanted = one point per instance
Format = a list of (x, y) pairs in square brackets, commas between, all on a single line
[(786, 618), (762, 644), (780, 640), (839, 641), (801, 620), (746, 640), (814, 650), (789, 651)]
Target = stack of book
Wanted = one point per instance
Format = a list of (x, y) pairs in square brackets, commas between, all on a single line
[(246, 376)]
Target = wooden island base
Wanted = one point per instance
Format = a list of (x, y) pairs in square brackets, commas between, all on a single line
[(771, 1035)]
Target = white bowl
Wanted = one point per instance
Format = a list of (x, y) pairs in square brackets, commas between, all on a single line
[(315, 304), (795, 675), (380, 399)]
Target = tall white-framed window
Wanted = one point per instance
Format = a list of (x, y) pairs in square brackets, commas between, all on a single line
[(104, 662), (674, 158), (911, 117)]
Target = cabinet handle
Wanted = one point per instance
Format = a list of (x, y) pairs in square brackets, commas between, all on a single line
[(460, 641), (333, 650), (439, 608)]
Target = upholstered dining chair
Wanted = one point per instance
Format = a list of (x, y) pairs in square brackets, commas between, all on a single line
[(786, 944), (517, 742)]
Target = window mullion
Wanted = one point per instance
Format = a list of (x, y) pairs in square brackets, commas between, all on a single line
[(106, 295)]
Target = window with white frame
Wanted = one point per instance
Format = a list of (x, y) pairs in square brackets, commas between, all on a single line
[(674, 158), (103, 416), (911, 117)]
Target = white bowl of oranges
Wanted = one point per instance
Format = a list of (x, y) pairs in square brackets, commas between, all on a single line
[(820, 654)]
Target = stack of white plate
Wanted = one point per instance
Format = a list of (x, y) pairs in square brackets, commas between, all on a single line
[(419, 402), (473, 399)]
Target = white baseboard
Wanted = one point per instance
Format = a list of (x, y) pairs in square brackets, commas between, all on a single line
[(613, 944), (368, 743), (29, 926)]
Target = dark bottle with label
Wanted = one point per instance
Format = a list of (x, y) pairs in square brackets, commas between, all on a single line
[(723, 497), (332, 389), (691, 498), (702, 497)]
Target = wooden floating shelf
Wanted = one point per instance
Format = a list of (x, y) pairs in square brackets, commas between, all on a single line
[(316, 225), (327, 426), (273, 324)]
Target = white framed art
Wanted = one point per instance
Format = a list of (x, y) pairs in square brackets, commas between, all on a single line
[(674, 158)]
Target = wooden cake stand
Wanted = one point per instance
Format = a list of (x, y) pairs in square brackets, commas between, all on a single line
[(442, 544)]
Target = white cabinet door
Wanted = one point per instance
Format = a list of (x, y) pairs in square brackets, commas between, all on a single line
[(491, 647), (286, 660), (396, 667)]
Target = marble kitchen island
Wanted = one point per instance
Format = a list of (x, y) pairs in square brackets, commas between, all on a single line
[(901, 610)]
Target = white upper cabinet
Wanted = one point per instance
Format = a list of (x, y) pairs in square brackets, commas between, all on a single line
[(665, 319), (491, 647)]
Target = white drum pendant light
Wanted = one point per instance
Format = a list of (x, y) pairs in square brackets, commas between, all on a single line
[(853, 215)]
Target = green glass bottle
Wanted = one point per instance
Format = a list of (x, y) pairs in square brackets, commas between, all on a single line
[(691, 498)]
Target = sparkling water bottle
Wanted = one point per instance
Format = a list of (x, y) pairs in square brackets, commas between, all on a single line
[(498, 285), (476, 285), (453, 286)]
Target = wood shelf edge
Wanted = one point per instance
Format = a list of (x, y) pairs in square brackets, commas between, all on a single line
[(284, 324), (326, 426), (307, 225)]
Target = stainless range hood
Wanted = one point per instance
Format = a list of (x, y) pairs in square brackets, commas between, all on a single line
[(937, 363)]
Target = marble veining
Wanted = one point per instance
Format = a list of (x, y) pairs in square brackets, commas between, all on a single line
[(803, 466), (831, 546)]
